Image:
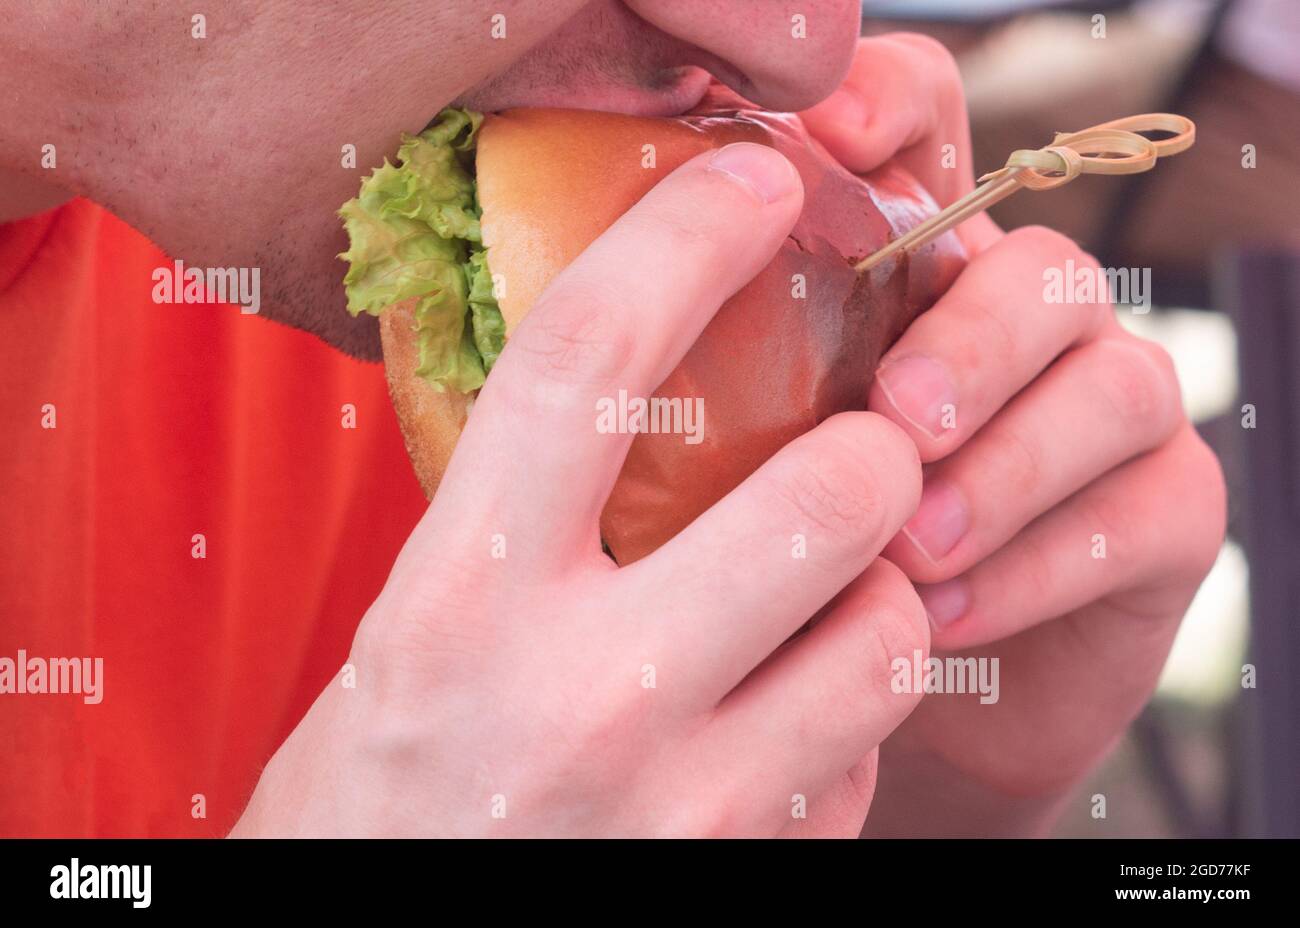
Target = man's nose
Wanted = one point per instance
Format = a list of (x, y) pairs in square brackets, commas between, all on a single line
[(787, 59)]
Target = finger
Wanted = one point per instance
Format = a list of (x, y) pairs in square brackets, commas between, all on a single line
[(983, 341), (1098, 406), (839, 811), (1126, 533), (819, 706), (620, 317), (742, 578), (903, 101)]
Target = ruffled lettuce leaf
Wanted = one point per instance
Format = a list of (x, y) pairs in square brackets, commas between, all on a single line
[(414, 237), (485, 316)]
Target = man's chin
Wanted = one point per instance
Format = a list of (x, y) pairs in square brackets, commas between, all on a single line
[(676, 91)]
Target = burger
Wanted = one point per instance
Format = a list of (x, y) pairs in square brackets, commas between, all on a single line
[(451, 246)]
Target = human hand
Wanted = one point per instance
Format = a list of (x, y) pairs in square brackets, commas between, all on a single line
[(546, 691), (1070, 510)]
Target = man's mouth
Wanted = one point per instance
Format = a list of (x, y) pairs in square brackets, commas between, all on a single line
[(670, 92)]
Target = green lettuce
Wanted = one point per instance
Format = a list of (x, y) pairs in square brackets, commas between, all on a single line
[(414, 236)]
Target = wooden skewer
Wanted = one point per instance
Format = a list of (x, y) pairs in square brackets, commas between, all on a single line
[(1109, 148)]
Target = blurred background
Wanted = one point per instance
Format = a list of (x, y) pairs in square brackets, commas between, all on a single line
[(1217, 753)]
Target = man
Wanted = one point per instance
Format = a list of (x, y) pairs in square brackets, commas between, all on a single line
[(506, 696)]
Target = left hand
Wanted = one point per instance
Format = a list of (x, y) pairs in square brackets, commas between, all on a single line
[(1063, 429)]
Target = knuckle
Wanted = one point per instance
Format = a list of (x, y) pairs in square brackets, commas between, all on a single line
[(369, 644), (1045, 241), (935, 55), (860, 782), (1115, 520), (1036, 579), (993, 335), (832, 483), (1136, 381), (1016, 458), (829, 495), (434, 619), (715, 817), (1163, 362), (404, 642), (1092, 314), (1054, 250), (900, 624), (886, 633), (1210, 511), (682, 224), (594, 733), (602, 736), (588, 341), (892, 623)]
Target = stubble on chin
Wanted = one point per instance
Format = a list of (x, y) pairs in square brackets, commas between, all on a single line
[(302, 283)]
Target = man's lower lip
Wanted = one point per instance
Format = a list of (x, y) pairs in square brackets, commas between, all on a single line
[(675, 91), (671, 80), (686, 87), (634, 101)]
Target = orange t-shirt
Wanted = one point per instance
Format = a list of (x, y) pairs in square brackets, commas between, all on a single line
[(171, 421)]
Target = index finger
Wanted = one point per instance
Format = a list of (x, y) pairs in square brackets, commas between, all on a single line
[(620, 317)]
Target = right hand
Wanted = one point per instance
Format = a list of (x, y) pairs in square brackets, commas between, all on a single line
[(508, 695)]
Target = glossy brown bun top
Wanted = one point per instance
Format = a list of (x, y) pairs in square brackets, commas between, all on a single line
[(773, 362)]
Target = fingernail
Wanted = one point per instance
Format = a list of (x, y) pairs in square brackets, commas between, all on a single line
[(940, 521), (920, 389), (758, 167), (945, 602)]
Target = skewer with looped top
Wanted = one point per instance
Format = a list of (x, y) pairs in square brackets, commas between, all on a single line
[(1109, 148)]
